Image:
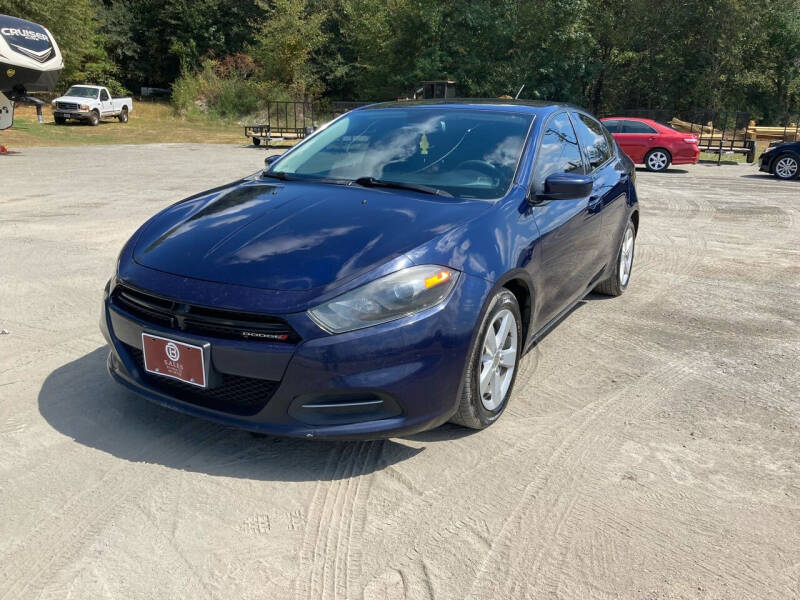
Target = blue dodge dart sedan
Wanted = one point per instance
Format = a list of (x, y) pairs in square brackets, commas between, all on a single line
[(382, 277)]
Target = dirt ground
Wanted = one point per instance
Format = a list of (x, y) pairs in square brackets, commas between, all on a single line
[(650, 451)]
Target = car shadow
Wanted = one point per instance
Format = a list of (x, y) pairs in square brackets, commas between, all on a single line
[(669, 171), (81, 401), (768, 177), (81, 123)]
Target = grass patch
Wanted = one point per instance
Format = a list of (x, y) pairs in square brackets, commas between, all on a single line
[(150, 123)]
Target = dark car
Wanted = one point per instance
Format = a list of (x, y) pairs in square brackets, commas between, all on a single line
[(782, 160), (382, 277)]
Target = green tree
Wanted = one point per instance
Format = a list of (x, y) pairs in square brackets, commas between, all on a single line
[(287, 36)]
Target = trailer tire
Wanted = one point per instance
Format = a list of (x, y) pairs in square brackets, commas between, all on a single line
[(94, 118), (751, 152), (123, 115), (256, 141)]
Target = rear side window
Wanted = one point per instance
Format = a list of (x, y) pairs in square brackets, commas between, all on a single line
[(592, 139), (558, 153), (637, 127), (612, 126)]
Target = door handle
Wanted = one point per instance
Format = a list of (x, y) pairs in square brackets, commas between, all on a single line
[(594, 201)]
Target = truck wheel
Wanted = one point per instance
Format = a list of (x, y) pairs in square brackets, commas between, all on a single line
[(123, 115), (256, 141), (94, 118), (59, 120)]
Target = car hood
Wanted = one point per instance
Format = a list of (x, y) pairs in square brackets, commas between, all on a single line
[(297, 236), (75, 99)]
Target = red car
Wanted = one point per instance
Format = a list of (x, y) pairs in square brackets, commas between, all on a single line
[(653, 144)]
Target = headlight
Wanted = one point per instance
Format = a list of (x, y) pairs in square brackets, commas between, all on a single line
[(84, 107), (391, 297)]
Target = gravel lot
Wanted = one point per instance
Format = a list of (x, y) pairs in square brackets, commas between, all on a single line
[(650, 451)]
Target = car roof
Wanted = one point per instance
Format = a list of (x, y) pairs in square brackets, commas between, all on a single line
[(537, 107), (640, 119), (658, 125)]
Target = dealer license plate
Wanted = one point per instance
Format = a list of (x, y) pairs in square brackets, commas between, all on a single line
[(173, 359)]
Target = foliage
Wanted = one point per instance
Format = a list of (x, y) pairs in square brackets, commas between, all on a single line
[(604, 54)]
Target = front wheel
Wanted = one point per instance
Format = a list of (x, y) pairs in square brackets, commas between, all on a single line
[(657, 160), (94, 118), (492, 368), (123, 115), (59, 120), (623, 265), (786, 167)]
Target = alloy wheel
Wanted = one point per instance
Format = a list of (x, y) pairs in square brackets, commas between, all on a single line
[(626, 257), (657, 160), (786, 167), (498, 360)]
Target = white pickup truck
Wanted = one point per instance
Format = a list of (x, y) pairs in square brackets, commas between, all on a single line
[(90, 103)]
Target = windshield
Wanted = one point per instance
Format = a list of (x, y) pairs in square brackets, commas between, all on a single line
[(80, 91), (466, 153)]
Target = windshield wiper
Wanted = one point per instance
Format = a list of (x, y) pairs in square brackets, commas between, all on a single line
[(277, 175), (417, 187)]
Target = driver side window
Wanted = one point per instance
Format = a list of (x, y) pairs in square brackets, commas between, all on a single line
[(103, 95), (558, 153)]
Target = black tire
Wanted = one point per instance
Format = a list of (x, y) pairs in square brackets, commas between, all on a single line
[(654, 162), (786, 166), (256, 141), (94, 118), (471, 411), (123, 115), (751, 151), (59, 120), (616, 284)]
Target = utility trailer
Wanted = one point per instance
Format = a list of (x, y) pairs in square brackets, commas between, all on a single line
[(285, 121), (724, 132), (295, 120)]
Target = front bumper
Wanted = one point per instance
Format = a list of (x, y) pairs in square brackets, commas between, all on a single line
[(392, 379), (69, 114), (765, 162)]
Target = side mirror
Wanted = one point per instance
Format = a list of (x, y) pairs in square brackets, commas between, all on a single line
[(566, 186), (271, 159)]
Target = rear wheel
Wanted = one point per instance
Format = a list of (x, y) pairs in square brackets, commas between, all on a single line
[(123, 115), (94, 118), (256, 141), (492, 369), (623, 265), (786, 166), (657, 159)]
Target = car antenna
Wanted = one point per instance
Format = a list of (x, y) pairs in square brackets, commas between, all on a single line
[(519, 92)]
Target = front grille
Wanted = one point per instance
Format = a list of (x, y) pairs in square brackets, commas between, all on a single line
[(202, 320), (236, 395), (67, 105)]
